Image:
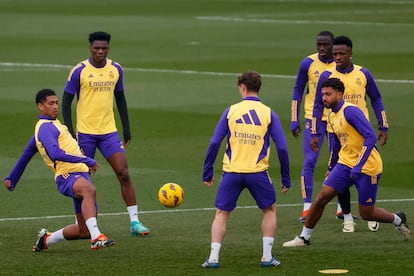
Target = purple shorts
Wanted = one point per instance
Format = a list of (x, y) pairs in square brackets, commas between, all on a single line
[(65, 187), (366, 185), (232, 184), (107, 144)]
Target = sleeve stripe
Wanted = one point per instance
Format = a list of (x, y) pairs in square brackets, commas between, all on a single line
[(294, 111), (363, 150), (384, 119)]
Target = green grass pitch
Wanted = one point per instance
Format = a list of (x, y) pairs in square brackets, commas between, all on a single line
[(181, 59)]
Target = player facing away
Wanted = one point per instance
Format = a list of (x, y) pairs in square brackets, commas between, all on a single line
[(96, 81), (63, 156), (359, 164), (249, 126), (307, 78), (359, 83)]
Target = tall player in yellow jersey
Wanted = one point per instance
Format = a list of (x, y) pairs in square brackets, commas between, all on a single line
[(359, 164), (249, 126), (359, 84), (96, 81), (307, 78), (71, 170)]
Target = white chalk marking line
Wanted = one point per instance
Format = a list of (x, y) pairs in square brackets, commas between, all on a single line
[(179, 210), (171, 71)]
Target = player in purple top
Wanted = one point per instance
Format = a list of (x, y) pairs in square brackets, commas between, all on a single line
[(96, 82), (307, 78), (359, 83), (359, 163), (249, 126), (71, 168)]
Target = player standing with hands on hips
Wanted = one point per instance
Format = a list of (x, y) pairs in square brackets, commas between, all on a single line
[(249, 126), (63, 156), (359, 164), (95, 82)]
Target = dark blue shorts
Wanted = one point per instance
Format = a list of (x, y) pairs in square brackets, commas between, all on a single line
[(366, 185), (65, 187), (232, 184), (107, 144)]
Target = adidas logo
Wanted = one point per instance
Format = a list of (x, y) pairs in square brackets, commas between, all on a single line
[(249, 118)]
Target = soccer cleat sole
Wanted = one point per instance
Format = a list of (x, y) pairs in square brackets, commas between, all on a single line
[(41, 240)]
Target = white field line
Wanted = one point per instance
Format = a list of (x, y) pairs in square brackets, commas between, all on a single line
[(300, 22), (171, 71), (187, 210), (391, 2)]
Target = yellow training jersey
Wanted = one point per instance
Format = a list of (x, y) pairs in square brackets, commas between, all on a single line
[(95, 87), (352, 148), (355, 83), (315, 70), (248, 123), (66, 143)]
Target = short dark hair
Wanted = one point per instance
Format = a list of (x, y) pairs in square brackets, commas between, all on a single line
[(343, 40), (251, 79), (42, 95), (335, 83), (326, 33), (104, 36)]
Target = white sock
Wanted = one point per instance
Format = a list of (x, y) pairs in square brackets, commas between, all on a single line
[(267, 248), (92, 225), (306, 233), (55, 237), (214, 254), (306, 205), (348, 217), (397, 220), (133, 213), (338, 208)]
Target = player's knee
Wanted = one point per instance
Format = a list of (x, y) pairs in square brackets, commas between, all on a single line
[(91, 190), (123, 175), (322, 199), (309, 163)]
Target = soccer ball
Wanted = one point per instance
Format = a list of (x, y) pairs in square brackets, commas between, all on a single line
[(171, 195)]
